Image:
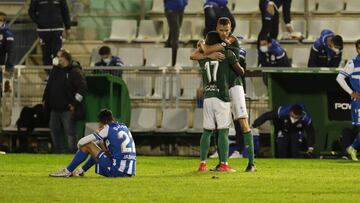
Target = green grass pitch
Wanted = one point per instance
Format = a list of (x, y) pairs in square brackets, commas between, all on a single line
[(24, 178)]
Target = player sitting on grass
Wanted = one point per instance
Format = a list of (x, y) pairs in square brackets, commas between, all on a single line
[(116, 159), (217, 114)]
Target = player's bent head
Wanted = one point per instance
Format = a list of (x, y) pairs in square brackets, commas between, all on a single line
[(104, 51), (264, 40), (3, 16), (296, 110), (337, 41), (105, 116), (213, 38)]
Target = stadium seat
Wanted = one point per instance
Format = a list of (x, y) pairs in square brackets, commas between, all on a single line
[(198, 29), (186, 31), (349, 30), (352, 6), (316, 26), (189, 85), (255, 27), (157, 57), (252, 58), (150, 31), (15, 115), (197, 126), (329, 6), (157, 6), (118, 33), (95, 57), (183, 57), (160, 86), (245, 6), (255, 88), (131, 56), (194, 7), (349, 53), (143, 120), (298, 6), (174, 121), (242, 29), (139, 86), (300, 57)]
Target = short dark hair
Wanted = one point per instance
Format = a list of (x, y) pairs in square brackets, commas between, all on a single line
[(104, 50), (357, 43), (224, 21), (297, 110), (66, 54), (338, 41), (105, 116), (212, 38), (265, 38)]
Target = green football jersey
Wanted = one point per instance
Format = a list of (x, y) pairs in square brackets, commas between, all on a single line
[(234, 78), (216, 76)]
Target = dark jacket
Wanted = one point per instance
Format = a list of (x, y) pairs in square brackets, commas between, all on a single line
[(115, 61), (50, 15), (175, 5), (321, 55), (7, 48), (281, 119), (63, 86), (217, 3), (286, 5), (275, 57)]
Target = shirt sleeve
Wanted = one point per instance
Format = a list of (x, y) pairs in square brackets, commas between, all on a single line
[(232, 58), (102, 134), (348, 69)]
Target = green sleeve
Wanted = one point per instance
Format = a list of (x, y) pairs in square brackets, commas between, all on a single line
[(231, 57)]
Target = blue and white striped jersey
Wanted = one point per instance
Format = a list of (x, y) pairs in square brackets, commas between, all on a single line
[(121, 145), (352, 71)]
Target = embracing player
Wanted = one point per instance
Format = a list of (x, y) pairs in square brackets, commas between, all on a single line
[(237, 94), (116, 159)]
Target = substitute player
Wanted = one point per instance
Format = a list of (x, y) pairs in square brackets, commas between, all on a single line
[(236, 88), (217, 113), (117, 159), (352, 71)]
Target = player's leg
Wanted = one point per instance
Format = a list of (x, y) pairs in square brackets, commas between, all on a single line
[(209, 126), (295, 144), (352, 150)]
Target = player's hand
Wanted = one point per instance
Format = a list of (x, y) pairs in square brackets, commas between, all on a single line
[(216, 56), (270, 8), (355, 95), (310, 151), (200, 42)]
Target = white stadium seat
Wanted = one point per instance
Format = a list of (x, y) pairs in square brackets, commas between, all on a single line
[(143, 120), (174, 121), (157, 6), (255, 27), (316, 26), (329, 6), (139, 86), (183, 57), (198, 29), (197, 126), (300, 57), (352, 6), (298, 6), (118, 33), (131, 56), (246, 6), (157, 57), (150, 31), (160, 86), (349, 30), (252, 58), (242, 29), (194, 6), (185, 31), (189, 85)]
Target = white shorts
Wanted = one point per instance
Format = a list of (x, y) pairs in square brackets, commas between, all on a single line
[(238, 104), (217, 114)]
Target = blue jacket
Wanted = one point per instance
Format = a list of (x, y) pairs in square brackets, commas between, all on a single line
[(321, 55), (286, 6), (218, 3), (7, 52), (115, 61), (275, 57), (175, 5)]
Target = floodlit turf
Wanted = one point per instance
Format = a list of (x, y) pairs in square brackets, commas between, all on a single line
[(24, 178)]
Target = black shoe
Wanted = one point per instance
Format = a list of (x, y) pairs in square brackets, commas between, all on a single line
[(250, 168), (216, 168)]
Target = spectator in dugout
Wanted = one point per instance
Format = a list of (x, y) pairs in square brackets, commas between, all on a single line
[(291, 123), (271, 54), (108, 59), (327, 50), (64, 99), (50, 16), (215, 9), (174, 11)]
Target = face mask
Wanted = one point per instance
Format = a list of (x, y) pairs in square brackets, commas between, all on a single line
[(55, 61), (337, 51), (293, 120), (264, 49), (107, 60)]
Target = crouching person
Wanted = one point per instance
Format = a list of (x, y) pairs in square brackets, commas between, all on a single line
[(111, 149)]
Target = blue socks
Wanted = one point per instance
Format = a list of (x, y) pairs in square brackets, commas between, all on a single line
[(80, 156), (356, 143), (90, 162)]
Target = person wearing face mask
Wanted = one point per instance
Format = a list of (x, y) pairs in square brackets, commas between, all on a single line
[(291, 123), (327, 50), (64, 99), (6, 45), (107, 59), (271, 54)]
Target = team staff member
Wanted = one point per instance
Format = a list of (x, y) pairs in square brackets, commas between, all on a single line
[(50, 16), (107, 59), (351, 71), (327, 50), (215, 9), (291, 122), (270, 17), (6, 45), (271, 54)]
